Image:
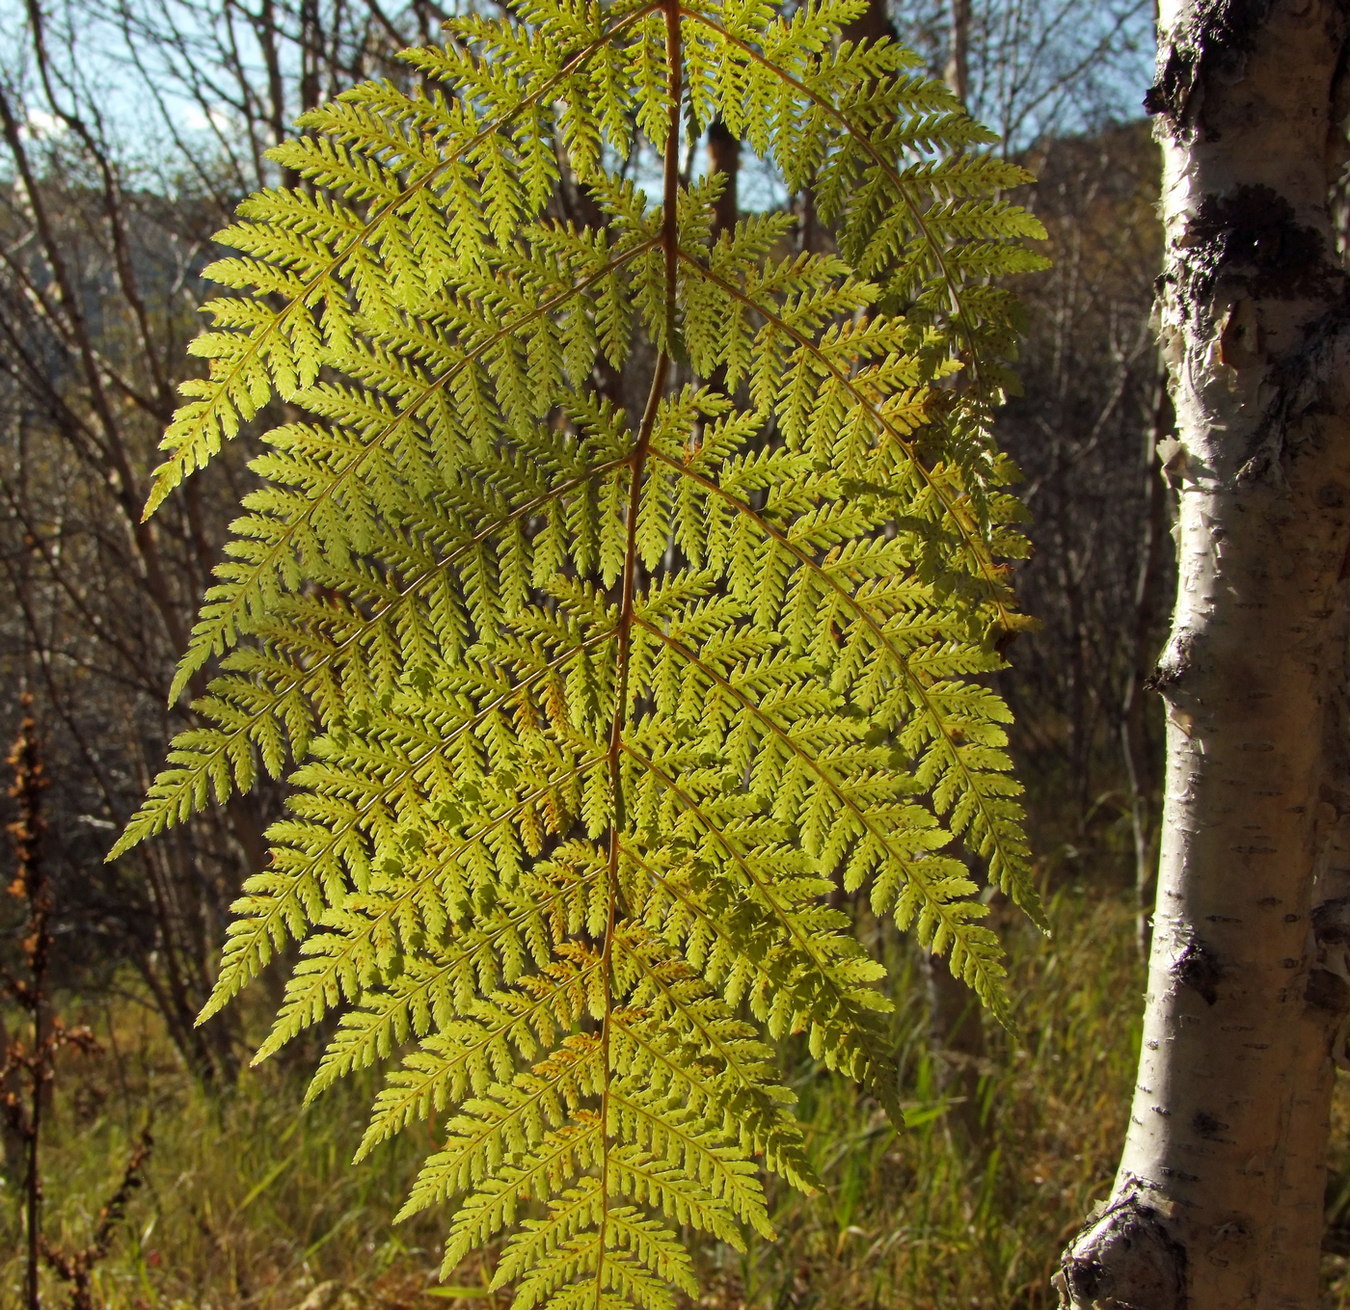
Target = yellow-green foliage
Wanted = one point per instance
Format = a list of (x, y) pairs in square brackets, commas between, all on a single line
[(589, 710)]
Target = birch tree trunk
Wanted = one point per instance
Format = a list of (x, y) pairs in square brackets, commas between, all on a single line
[(1217, 1204)]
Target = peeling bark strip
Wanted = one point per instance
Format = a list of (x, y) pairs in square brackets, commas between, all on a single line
[(1217, 1204)]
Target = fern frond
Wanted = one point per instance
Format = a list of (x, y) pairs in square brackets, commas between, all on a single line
[(621, 592)]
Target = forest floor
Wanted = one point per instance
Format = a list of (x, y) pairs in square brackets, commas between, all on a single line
[(250, 1203)]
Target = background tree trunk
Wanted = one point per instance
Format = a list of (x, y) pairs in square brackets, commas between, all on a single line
[(957, 71), (1141, 771), (1218, 1200)]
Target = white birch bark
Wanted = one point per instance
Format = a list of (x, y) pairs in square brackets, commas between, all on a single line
[(1217, 1204)]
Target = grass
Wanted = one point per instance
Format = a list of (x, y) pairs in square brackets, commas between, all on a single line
[(932, 1217), (250, 1203)]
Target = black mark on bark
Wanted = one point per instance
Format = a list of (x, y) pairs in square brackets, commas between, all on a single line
[(1126, 1257), (1299, 384), (1206, 1125), (1327, 988), (1214, 43), (1326, 991), (1197, 968), (1251, 236), (1173, 664), (1331, 922), (1159, 678)]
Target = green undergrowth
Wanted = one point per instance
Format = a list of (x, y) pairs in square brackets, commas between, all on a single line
[(247, 1206)]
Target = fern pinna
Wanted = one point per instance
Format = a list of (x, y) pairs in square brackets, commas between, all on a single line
[(590, 704)]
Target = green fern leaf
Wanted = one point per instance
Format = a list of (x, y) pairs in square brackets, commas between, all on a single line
[(622, 592)]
